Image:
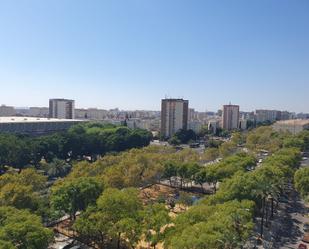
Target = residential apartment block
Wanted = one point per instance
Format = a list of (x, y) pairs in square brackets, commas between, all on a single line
[(174, 116), (230, 117), (61, 108)]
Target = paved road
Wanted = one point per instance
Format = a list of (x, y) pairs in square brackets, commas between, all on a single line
[(292, 220), (286, 229), (294, 216)]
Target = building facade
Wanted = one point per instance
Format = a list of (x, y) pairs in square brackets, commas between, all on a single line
[(213, 125), (267, 115), (62, 108), (294, 126), (7, 111), (195, 125), (174, 116), (38, 112), (34, 125), (230, 117)]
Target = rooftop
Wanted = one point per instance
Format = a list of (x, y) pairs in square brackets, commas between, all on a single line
[(294, 122), (171, 99), (34, 120), (60, 99)]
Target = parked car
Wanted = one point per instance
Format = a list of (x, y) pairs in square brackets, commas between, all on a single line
[(283, 199), (302, 246), (194, 145)]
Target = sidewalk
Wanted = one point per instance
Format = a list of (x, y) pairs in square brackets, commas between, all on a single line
[(285, 230)]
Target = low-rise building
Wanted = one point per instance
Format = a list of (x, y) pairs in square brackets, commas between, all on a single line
[(90, 113), (267, 115), (294, 126), (38, 112), (195, 125), (243, 124), (213, 125), (35, 125), (7, 111)]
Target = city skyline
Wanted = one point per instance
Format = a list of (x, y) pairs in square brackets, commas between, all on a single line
[(131, 54), (220, 108)]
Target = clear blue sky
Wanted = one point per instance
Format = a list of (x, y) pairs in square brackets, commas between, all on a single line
[(131, 53)]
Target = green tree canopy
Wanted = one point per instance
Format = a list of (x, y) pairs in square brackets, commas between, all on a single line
[(22, 230), (70, 196), (301, 179)]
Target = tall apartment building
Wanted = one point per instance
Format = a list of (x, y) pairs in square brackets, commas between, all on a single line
[(174, 116), (230, 117), (61, 108)]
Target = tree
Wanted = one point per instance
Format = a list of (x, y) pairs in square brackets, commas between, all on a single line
[(22, 190), (182, 172), (226, 225), (294, 142), (19, 196), (93, 226), (15, 151), (213, 175), (304, 135), (185, 199), (30, 177), (27, 177), (237, 138), (182, 136), (155, 217), (170, 170), (201, 177), (56, 168), (130, 230), (115, 219), (174, 141), (119, 206), (70, 196), (211, 154), (6, 245), (22, 230), (227, 149), (301, 179)]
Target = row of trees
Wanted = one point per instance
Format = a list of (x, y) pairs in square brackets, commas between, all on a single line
[(134, 168), (111, 211), (225, 219), (212, 174), (89, 139), (301, 180), (266, 138)]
